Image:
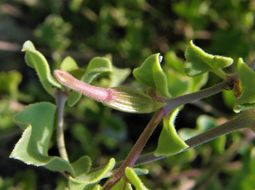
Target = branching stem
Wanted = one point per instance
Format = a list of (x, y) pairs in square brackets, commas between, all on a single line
[(155, 120), (243, 120)]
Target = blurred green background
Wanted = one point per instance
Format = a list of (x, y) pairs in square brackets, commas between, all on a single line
[(127, 31)]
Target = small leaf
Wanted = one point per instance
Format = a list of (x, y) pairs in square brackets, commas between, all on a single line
[(118, 75), (95, 177), (96, 67), (169, 141), (37, 61), (178, 81), (198, 61), (151, 74), (123, 185), (82, 165), (9, 82), (134, 179), (68, 64), (247, 98)]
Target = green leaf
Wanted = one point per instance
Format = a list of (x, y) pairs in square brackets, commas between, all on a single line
[(134, 179), (198, 62), (9, 82), (37, 120), (82, 166), (96, 67), (37, 61), (118, 75), (32, 148), (169, 141), (247, 76), (123, 185), (204, 123), (94, 177), (68, 64), (178, 81), (151, 74)]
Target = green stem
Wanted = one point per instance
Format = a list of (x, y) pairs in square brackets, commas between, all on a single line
[(60, 102), (243, 120)]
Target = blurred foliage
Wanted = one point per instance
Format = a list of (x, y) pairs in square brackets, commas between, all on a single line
[(128, 31)]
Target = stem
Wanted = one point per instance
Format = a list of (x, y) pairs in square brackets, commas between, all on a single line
[(136, 149), (192, 97), (144, 137), (243, 120), (60, 102)]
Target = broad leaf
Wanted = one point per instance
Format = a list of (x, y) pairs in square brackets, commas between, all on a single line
[(169, 141), (134, 179), (151, 74), (37, 120), (247, 98), (32, 148), (198, 62), (37, 61)]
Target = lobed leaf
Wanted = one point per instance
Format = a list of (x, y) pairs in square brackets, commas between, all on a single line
[(36, 60), (169, 141), (198, 62), (151, 74)]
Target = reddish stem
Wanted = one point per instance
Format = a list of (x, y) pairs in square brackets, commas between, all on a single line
[(136, 150)]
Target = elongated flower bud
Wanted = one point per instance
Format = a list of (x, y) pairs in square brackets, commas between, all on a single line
[(120, 98)]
